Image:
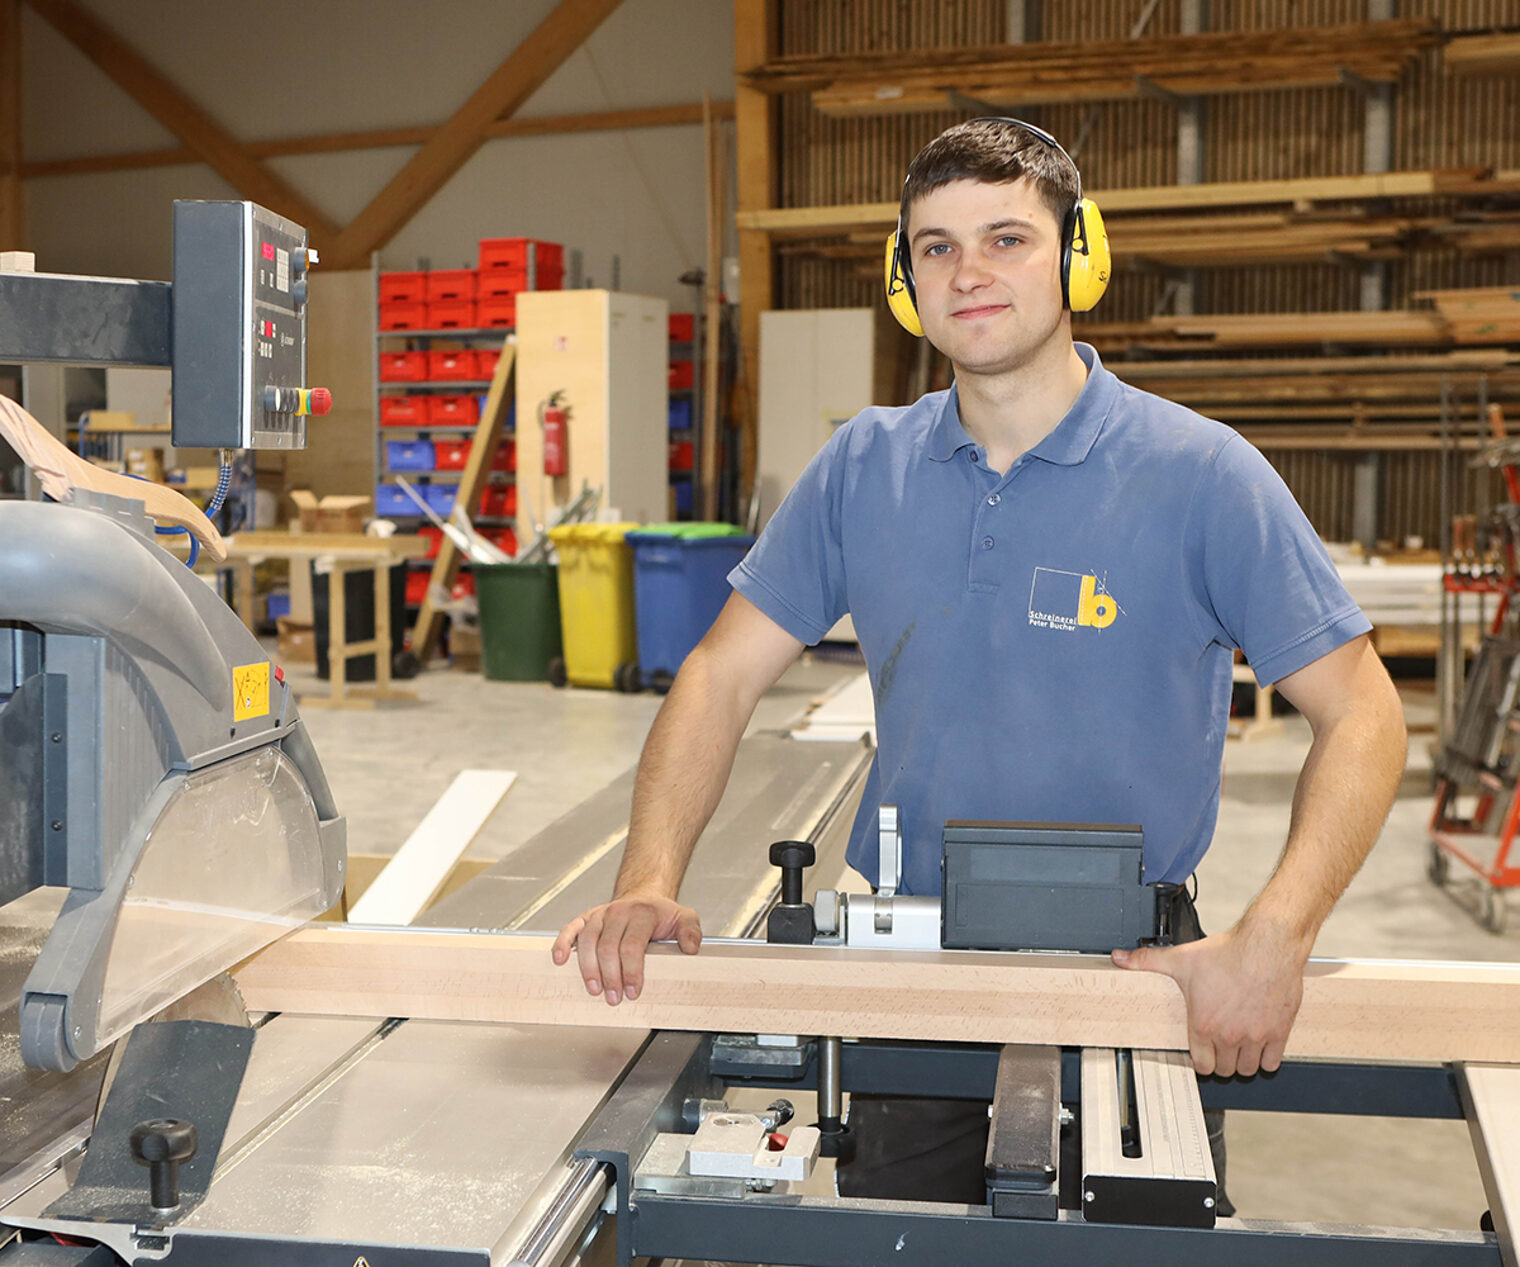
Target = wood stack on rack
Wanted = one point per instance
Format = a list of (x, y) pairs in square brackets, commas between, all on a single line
[(1469, 318), (1009, 75)]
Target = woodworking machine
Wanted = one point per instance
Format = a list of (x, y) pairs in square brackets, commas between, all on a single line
[(163, 814)]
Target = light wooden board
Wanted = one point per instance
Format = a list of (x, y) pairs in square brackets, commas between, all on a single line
[(1491, 1101), (1352, 1010), (60, 471), (413, 877), (339, 142)]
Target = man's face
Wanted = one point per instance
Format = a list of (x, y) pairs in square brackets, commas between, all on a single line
[(987, 270)]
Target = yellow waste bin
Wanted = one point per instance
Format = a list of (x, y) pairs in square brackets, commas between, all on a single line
[(596, 606)]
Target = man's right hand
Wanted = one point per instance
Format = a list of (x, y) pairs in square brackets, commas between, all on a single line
[(610, 941)]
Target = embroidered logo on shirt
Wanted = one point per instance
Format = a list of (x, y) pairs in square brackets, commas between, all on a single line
[(1071, 601)]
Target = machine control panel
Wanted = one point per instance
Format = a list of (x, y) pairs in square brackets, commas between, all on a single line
[(239, 328)]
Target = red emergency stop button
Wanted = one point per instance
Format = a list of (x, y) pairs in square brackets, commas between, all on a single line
[(319, 401)]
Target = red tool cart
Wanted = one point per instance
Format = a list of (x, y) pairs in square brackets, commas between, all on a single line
[(1477, 798)]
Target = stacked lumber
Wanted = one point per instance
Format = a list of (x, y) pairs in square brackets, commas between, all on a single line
[(1483, 54), (1477, 316), (1454, 182), (1487, 314), (1270, 237), (1270, 330), (1103, 70)]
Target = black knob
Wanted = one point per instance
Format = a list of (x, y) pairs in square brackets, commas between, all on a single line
[(792, 856), (161, 1144)]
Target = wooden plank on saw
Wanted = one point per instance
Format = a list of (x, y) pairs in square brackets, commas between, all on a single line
[(1352, 1010), (411, 879)]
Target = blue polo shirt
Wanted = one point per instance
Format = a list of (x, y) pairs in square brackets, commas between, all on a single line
[(1052, 644)]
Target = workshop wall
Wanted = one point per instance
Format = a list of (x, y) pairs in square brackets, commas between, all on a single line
[(287, 68)]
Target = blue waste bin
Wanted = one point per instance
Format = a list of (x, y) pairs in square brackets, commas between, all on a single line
[(680, 583)]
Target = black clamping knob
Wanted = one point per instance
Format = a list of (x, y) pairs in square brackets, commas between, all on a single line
[(161, 1144), (791, 921)]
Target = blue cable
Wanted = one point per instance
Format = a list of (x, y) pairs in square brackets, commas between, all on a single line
[(223, 483)]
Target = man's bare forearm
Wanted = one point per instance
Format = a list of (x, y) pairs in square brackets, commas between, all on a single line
[(682, 773), (1344, 793)]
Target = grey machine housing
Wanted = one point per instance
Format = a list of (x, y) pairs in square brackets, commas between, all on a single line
[(116, 685)]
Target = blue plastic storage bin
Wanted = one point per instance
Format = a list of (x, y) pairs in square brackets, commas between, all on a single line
[(684, 500), (390, 500), (680, 583), (409, 455), (680, 414), (440, 497)]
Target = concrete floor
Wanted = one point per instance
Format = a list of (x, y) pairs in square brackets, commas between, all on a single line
[(388, 766)]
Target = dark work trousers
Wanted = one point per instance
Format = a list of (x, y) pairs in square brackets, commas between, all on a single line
[(936, 1150)]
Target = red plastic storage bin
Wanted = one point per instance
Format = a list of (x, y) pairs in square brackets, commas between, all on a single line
[(681, 455), (451, 314), (451, 455), (683, 327), (450, 283), (454, 410), (485, 363), (682, 375), (403, 287), (403, 367), (500, 281), (506, 280), (434, 537), (498, 312), (505, 458), (503, 538), (513, 253), (456, 366), (417, 587), (407, 316), (403, 411), (497, 500)]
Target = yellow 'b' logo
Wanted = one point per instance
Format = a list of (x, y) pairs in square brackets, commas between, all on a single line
[(1095, 609)]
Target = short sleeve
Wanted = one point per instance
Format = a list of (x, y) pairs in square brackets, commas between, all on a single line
[(1262, 578), (795, 573)]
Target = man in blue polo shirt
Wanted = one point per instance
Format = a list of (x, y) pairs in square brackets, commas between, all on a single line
[(1048, 571)]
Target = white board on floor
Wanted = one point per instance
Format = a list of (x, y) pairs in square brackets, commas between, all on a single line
[(413, 877), (847, 714)]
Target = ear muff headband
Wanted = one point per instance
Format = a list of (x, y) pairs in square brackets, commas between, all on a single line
[(1086, 260)]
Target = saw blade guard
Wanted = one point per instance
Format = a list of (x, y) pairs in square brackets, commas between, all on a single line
[(231, 858)]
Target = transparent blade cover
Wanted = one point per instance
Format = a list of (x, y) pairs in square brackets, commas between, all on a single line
[(232, 863)]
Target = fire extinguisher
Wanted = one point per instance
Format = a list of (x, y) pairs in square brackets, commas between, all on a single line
[(554, 419)]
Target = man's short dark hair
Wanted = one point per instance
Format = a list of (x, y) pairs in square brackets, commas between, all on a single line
[(993, 152)]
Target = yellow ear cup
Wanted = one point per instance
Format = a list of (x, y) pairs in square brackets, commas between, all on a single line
[(900, 292), (1090, 262)]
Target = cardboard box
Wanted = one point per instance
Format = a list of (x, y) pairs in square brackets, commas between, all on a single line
[(337, 512), (147, 464), (297, 641), (464, 648)]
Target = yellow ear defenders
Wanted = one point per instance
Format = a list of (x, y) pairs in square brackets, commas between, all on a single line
[(1086, 262)]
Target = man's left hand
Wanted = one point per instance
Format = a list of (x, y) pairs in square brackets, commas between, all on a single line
[(1242, 988)]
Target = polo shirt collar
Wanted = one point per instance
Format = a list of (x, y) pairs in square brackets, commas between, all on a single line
[(1074, 436)]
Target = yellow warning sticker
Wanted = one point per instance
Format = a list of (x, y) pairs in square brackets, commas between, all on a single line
[(250, 690)]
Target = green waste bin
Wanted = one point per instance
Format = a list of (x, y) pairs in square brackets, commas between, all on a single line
[(519, 620)]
